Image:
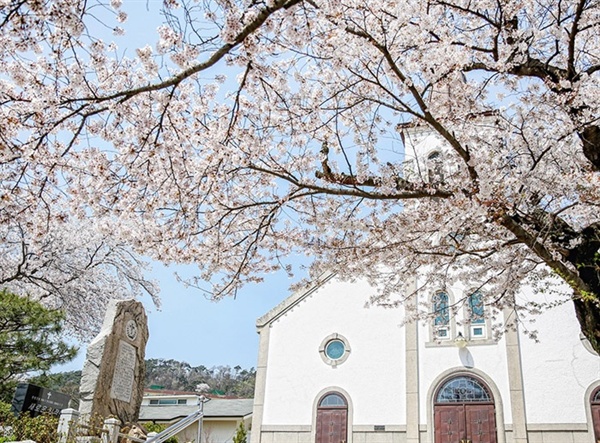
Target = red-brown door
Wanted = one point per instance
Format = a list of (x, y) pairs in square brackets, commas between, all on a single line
[(465, 423), (332, 425), (480, 423), (449, 423), (596, 420)]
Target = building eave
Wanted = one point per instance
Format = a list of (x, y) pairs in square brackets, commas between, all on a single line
[(290, 302)]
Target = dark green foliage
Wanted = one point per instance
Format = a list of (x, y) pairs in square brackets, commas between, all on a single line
[(41, 429), (30, 340), (5, 414), (241, 435)]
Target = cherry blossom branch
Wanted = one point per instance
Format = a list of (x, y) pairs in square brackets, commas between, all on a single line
[(216, 56)]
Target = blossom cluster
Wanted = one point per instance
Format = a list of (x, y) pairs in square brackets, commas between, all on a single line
[(256, 132)]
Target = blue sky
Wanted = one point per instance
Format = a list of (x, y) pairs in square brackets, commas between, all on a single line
[(190, 328)]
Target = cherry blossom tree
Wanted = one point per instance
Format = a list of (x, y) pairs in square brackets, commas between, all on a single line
[(73, 268), (254, 131)]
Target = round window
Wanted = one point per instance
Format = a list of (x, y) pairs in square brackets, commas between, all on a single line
[(335, 349)]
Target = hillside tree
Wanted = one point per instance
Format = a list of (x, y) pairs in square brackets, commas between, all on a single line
[(71, 266), (254, 131)]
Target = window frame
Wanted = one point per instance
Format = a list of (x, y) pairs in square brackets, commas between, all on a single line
[(167, 402), (450, 327), (444, 324), (482, 322), (434, 165), (323, 349), (344, 404), (484, 386)]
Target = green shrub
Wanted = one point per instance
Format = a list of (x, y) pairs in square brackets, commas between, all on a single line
[(158, 428), (41, 429), (6, 414)]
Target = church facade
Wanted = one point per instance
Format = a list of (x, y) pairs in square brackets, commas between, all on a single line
[(331, 370)]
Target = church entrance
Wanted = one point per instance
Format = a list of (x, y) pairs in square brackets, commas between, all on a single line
[(464, 412), (332, 419)]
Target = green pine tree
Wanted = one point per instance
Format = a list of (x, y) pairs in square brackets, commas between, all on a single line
[(30, 340)]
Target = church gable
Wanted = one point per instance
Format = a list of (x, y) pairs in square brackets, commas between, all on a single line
[(327, 339)]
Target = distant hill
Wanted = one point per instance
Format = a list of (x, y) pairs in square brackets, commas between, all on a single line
[(218, 380), (170, 375)]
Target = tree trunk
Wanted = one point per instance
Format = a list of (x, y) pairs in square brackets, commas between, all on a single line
[(586, 259), (590, 136), (588, 314)]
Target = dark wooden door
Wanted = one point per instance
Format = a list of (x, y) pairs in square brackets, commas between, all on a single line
[(449, 423), (332, 425), (480, 423), (596, 421), (465, 423)]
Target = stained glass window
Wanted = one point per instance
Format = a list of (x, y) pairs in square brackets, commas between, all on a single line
[(476, 308), (596, 396), (440, 309), (335, 349), (463, 389), (333, 400)]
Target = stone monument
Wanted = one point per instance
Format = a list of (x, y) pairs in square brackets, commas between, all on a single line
[(112, 380)]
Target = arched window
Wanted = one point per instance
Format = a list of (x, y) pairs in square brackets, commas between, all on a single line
[(332, 400), (596, 397), (476, 315), (476, 308), (463, 389), (441, 315)]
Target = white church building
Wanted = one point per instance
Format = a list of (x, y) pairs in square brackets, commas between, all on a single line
[(331, 370)]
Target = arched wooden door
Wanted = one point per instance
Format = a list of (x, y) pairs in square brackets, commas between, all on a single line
[(332, 419), (464, 412), (595, 406)]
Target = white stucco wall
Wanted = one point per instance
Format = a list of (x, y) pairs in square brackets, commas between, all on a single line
[(557, 370), (373, 375)]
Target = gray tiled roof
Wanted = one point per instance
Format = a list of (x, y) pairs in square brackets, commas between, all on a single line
[(165, 413), (228, 407), (217, 407)]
